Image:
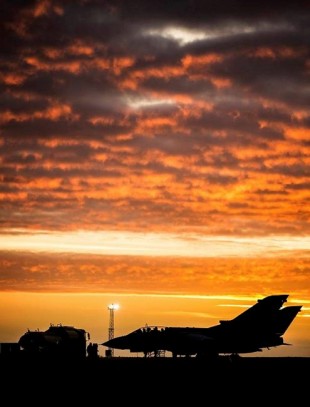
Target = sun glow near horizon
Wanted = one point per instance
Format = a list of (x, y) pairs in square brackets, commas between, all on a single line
[(149, 244), (90, 311)]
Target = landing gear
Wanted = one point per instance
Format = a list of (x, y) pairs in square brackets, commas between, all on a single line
[(154, 354)]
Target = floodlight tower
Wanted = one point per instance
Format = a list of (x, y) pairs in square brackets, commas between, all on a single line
[(112, 308)]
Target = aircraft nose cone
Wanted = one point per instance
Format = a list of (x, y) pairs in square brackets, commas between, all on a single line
[(117, 343), (107, 343)]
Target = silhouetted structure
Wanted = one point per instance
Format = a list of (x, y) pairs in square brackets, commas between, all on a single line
[(260, 326), (111, 308), (61, 341)]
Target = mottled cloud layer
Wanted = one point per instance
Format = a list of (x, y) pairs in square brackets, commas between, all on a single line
[(139, 274), (147, 115)]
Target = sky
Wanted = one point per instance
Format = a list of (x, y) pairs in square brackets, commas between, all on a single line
[(155, 154)]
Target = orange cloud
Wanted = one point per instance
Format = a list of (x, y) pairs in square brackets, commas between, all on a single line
[(94, 273), (42, 7), (13, 78), (278, 52), (297, 133), (56, 111), (164, 72), (52, 53), (201, 60), (53, 112), (153, 122), (220, 82), (102, 120), (80, 48), (119, 64)]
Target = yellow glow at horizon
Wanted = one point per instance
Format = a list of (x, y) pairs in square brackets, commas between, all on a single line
[(151, 244), (20, 311)]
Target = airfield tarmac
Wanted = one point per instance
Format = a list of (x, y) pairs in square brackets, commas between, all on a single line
[(247, 380)]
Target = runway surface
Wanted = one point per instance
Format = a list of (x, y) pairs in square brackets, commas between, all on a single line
[(247, 380)]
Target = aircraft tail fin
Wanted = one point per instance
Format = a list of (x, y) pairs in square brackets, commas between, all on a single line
[(285, 318), (264, 310)]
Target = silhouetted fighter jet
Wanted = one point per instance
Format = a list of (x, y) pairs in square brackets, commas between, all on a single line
[(260, 326)]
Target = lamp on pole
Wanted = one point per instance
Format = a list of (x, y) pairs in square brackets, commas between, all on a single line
[(112, 308)]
